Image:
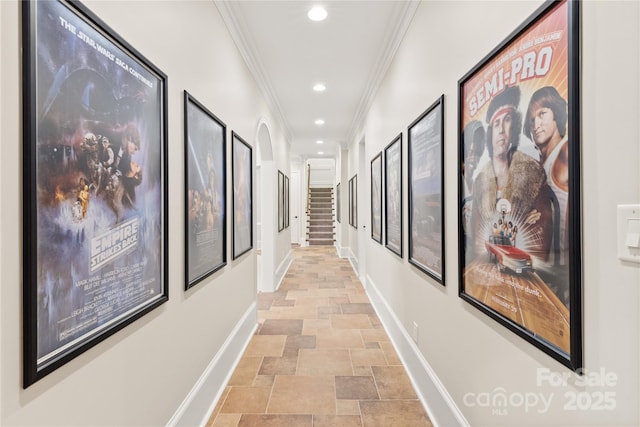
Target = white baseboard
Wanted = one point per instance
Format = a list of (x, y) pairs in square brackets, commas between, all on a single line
[(201, 400), (353, 260), (343, 252), (282, 269), (354, 264), (435, 398), (346, 252)]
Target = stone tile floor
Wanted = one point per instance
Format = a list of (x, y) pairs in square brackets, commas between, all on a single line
[(320, 357)]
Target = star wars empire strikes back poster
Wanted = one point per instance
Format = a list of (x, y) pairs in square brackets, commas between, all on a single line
[(95, 226)]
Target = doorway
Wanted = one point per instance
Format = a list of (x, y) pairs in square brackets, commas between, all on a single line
[(294, 205), (265, 206)]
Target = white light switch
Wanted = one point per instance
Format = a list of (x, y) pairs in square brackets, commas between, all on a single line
[(629, 233), (633, 240)]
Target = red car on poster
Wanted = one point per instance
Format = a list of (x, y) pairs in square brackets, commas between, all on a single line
[(505, 255)]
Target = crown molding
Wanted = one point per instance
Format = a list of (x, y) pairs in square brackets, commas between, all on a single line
[(232, 18), (395, 34)]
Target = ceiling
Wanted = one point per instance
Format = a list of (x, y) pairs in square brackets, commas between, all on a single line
[(349, 52)]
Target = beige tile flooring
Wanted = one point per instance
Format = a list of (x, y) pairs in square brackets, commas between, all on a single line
[(320, 357)]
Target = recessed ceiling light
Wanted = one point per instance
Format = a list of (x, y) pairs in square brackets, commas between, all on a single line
[(319, 141), (319, 122), (317, 13), (320, 152), (319, 87)]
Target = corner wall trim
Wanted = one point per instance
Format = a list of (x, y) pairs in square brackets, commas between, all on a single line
[(198, 405), (434, 397), (348, 253), (282, 269)]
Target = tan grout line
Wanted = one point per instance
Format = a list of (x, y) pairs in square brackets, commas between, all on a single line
[(376, 384), (361, 416), (226, 395), (384, 353), (273, 384), (255, 377)]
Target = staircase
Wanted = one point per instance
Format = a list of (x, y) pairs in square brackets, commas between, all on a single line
[(320, 217)]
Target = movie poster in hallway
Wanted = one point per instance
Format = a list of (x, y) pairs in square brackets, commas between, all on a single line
[(376, 198), (426, 189), (519, 183), (95, 198), (242, 176), (206, 185), (393, 196)]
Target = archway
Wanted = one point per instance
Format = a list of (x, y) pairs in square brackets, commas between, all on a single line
[(265, 208)]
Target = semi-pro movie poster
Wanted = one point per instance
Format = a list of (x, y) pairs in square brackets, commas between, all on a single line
[(516, 185), (94, 182)]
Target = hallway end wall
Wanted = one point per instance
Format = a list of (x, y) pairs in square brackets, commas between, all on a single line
[(141, 374), (470, 354)]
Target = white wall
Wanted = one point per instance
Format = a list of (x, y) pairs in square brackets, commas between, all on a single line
[(298, 193), (363, 190), (140, 375), (322, 172), (469, 352)]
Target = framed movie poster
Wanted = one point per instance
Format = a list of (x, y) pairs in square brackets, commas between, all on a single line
[(95, 173), (280, 201), (286, 201), (338, 202), (353, 201), (426, 189), (519, 188), (205, 179), (393, 196), (354, 184), (242, 176), (376, 198)]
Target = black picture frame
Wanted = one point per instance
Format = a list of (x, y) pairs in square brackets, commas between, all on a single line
[(338, 212), (425, 177), (281, 221), (205, 159), (350, 201), (525, 271), (242, 178), (95, 197), (286, 201), (353, 201), (393, 196), (376, 198)]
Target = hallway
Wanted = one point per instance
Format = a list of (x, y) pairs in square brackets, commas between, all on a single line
[(320, 357)]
